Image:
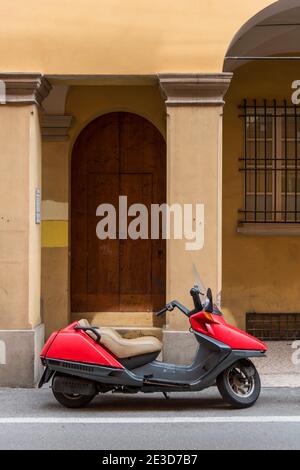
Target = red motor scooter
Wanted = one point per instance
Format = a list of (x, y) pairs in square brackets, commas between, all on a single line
[(85, 360)]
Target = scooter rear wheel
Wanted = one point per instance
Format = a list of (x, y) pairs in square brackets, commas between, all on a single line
[(72, 401), (239, 384)]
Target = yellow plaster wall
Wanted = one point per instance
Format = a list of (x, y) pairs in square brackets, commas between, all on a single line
[(55, 194), (120, 37), (55, 233), (260, 274), (85, 103), (55, 171), (55, 288)]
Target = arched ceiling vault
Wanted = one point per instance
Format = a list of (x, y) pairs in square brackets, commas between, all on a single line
[(271, 34)]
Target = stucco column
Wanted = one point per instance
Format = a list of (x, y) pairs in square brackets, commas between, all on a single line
[(21, 328), (194, 105), (55, 209)]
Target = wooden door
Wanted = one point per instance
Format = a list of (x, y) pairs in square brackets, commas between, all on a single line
[(117, 154)]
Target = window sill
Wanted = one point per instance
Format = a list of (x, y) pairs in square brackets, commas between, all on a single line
[(269, 230)]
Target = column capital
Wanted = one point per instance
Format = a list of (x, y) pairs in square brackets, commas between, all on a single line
[(55, 128), (194, 89), (23, 88)]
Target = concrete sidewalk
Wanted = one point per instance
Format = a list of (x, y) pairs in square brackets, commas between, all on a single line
[(280, 380), (281, 366)]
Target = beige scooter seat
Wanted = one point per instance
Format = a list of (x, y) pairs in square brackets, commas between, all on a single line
[(123, 347)]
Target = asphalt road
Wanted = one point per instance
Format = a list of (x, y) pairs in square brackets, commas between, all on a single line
[(32, 419)]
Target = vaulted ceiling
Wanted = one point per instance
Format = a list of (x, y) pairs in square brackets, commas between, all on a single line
[(274, 32)]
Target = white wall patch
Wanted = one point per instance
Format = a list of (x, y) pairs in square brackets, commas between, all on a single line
[(2, 353), (53, 210)]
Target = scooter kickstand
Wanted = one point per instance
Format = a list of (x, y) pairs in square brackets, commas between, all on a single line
[(166, 395)]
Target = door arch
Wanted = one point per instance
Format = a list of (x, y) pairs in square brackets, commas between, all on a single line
[(118, 153)]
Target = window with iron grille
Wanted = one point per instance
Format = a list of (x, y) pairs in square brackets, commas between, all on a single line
[(271, 163), (274, 326)]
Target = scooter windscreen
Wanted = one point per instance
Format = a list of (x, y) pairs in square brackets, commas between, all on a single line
[(205, 294), (208, 303), (200, 285)]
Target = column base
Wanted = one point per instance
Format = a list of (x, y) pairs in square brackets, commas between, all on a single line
[(179, 347), (19, 357)]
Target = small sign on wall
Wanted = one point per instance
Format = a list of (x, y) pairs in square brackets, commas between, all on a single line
[(37, 206)]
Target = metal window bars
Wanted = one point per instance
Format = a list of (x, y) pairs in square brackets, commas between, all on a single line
[(274, 326), (270, 162)]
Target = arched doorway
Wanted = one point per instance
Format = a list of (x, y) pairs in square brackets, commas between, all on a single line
[(116, 154)]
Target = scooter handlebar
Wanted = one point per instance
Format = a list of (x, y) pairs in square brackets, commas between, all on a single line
[(169, 307), (161, 312)]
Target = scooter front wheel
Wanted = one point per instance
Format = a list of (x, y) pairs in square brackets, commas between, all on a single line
[(239, 384), (73, 400)]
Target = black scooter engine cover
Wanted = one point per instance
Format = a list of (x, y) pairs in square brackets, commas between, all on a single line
[(73, 385)]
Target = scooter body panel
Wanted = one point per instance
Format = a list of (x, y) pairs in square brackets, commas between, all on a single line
[(47, 345), (218, 329), (76, 346), (94, 372)]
